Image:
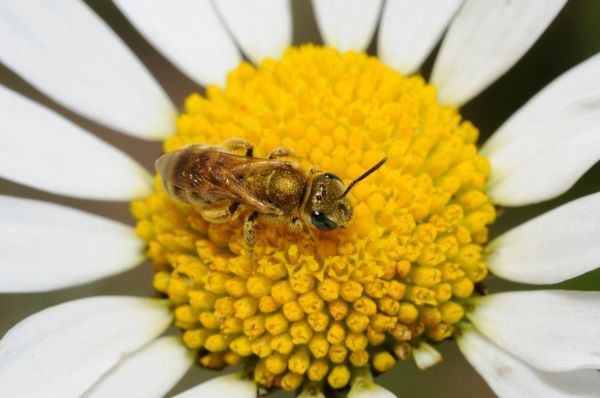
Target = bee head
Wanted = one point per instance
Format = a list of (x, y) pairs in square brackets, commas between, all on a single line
[(328, 204)]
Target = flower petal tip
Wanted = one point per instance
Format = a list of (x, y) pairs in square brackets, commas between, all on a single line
[(426, 356), (233, 385)]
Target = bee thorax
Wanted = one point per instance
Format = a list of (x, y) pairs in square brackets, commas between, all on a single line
[(285, 189)]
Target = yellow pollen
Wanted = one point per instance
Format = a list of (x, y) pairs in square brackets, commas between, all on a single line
[(303, 310)]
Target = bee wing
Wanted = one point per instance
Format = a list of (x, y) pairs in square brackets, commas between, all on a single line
[(210, 173), (244, 195), (185, 168), (257, 165)]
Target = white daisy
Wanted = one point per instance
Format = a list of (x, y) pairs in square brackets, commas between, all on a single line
[(397, 281)]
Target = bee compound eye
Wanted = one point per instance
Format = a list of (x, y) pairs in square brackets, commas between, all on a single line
[(321, 221), (332, 176)]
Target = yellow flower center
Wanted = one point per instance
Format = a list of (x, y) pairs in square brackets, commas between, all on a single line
[(361, 296)]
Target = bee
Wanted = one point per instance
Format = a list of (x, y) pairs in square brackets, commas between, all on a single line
[(220, 181)]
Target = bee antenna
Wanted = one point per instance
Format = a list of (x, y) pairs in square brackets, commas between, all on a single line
[(363, 176)]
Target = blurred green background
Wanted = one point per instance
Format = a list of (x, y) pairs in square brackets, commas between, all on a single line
[(573, 37)]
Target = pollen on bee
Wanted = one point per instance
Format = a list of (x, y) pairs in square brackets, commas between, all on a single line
[(316, 308)]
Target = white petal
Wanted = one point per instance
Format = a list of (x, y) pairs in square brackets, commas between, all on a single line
[(41, 149), (72, 56), (554, 331), (228, 386), (311, 391), (410, 29), (347, 24), (485, 39), (552, 140), (63, 350), (551, 248), (426, 356), (149, 372), (189, 33), (553, 160), (579, 83), (511, 378), (47, 246), (364, 387), (263, 28), (373, 391)]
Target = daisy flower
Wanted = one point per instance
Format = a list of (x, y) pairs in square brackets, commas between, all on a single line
[(315, 317)]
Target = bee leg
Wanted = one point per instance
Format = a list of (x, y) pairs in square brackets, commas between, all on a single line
[(234, 210), (215, 216), (298, 226), (282, 152), (248, 229), (235, 144), (309, 235), (216, 212)]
